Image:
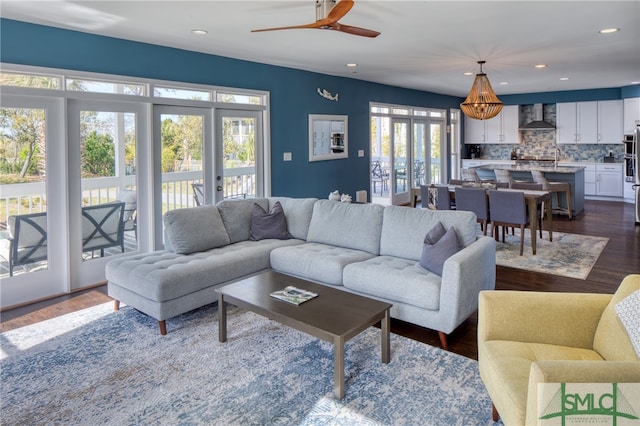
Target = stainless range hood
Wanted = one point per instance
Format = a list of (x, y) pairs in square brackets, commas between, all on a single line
[(538, 122)]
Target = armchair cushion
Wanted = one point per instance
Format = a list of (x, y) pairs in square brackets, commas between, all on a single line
[(439, 245)]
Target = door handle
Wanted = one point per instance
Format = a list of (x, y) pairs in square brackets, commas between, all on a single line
[(218, 188)]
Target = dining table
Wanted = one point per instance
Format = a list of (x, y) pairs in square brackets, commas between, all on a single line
[(531, 197)]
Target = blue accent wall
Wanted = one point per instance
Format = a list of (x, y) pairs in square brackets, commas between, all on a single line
[(293, 95)]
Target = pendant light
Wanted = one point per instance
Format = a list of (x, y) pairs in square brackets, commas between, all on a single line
[(482, 102)]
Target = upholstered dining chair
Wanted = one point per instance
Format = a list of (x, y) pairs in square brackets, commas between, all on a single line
[(474, 200), (532, 186), (508, 208), (555, 188)]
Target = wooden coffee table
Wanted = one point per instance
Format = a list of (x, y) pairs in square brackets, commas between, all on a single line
[(335, 315)]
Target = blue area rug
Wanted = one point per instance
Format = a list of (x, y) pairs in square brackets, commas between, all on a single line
[(97, 366)]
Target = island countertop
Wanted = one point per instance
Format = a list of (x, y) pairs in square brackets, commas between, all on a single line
[(531, 167)]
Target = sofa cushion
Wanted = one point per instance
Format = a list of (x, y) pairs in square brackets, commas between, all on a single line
[(354, 226), (268, 225), (236, 216), (194, 229), (161, 276), (316, 262), (396, 280), (403, 229), (298, 213), (439, 245), (611, 339)]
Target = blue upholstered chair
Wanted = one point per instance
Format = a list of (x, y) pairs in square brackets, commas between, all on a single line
[(474, 200), (508, 208)]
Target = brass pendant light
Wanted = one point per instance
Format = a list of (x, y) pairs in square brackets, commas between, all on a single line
[(482, 102)]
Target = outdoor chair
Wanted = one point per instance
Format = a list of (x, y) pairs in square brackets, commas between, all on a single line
[(27, 239), (102, 227), (130, 200), (198, 194), (379, 175)]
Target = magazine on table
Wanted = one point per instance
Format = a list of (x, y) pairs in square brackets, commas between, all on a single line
[(293, 295)]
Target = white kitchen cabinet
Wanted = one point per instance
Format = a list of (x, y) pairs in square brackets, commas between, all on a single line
[(502, 129), (609, 180), (577, 122), (610, 116), (631, 114)]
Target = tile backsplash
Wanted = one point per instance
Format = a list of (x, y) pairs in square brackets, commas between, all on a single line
[(541, 143)]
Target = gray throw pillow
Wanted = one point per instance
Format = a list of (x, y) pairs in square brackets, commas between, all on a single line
[(272, 225), (439, 245)]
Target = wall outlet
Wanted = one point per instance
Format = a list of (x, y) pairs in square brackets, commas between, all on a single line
[(286, 156), (361, 153)]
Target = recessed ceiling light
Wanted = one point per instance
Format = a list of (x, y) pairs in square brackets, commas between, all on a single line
[(609, 30), (635, 82), (504, 83), (468, 73), (564, 78), (352, 65), (200, 32), (540, 66)]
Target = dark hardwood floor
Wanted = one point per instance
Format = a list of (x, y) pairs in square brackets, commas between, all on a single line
[(620, 257)]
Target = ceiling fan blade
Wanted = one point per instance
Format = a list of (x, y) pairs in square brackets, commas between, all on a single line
[(355, 30), (338, 11), (293, 27)]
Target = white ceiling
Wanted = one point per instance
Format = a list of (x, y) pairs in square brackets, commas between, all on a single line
[(425, 45)]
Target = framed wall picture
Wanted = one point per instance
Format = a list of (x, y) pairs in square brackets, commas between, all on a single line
[(328, 137)]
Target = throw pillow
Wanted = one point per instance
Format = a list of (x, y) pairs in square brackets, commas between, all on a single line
[(628, 310), (268, 225), (439, 245)]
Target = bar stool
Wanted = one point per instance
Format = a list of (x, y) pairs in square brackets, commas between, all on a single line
[(555, 188), (503, 176)]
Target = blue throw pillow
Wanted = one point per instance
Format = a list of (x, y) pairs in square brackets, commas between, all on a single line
[(439, 245), (272, 225)]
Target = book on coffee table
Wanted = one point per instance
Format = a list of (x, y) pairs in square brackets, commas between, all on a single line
[(293, 295)]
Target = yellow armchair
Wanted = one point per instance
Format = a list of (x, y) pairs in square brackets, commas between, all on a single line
[(529, 338)]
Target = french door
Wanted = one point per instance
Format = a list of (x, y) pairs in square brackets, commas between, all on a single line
[(238, 153), (103, 172), (401, 160), (33, 177)]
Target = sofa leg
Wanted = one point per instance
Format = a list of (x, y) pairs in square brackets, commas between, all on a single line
[(116, 305), (494, 413), (163, 327), (443, 340)]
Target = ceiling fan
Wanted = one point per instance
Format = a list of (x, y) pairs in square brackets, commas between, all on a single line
[(328, 12)]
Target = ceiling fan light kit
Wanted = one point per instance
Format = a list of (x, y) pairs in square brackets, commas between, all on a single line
[(328, 13), (482, 102)]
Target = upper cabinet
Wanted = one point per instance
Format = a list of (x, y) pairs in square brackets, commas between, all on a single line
[(610, 122), (577, 122), (589, 122), (631, 114), (502, 129)]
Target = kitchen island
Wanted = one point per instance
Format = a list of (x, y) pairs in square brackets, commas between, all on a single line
[(574, 175)]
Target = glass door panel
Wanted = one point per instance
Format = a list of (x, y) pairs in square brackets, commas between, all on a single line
[(420, 145), (380, 158), (436, 148), (31, 168), (181, 133), (104, 191), (237, 148), (400, 162)]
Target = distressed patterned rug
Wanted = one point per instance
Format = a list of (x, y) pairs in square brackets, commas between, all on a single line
[(97, 366), (569, 255)]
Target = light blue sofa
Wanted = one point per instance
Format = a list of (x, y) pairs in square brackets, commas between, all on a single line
[(366, 249)]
